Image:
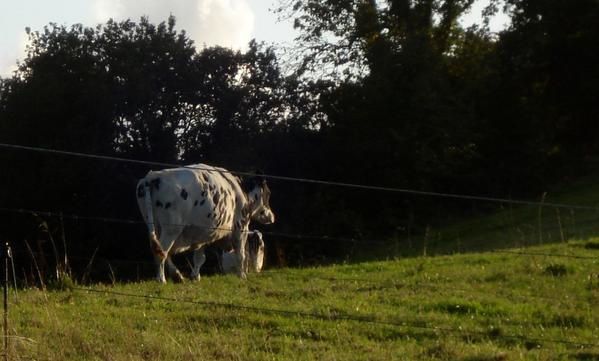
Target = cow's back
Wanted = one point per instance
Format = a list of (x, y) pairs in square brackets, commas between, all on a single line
[(200, 202)]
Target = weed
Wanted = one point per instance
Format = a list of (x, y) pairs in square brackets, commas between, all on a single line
[(466, 308), (63, 283), (313, 335), (477, 261), (567, 321), (592, 245), (556, 270), (562, 320), (495, 332), (441, 351), (586, 356), (497, 277), (461, 308), (501, 356), (531, 345)]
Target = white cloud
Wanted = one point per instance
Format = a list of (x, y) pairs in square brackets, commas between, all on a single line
[(8, 59), (224, 22), (228, 23), (106, 9)]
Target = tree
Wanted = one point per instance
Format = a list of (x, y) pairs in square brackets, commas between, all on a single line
[(142, 91), (402, 113), (551, 51)]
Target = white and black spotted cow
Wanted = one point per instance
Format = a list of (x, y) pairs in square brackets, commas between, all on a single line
[(187, 208), (254, 252)]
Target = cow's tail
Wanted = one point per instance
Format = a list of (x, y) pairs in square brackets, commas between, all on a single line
[(150, 222)]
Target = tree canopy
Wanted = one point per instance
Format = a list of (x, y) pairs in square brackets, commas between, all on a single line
[(390, 93)]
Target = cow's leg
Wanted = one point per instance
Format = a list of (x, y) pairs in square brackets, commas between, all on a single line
[(160, 275), (159, 255), (199, 257), (239, 244), (161, 248), (173, 271)]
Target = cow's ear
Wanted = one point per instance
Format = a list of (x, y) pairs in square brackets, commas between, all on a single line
[(249, 183), (259, 179)]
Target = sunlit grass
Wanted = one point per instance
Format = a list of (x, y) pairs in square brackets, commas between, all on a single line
[(530, 293), (482, 306)]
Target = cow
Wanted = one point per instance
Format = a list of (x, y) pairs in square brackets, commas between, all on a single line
[(254, 252), (187, 208)]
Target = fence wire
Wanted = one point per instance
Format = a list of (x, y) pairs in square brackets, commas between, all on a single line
[(325, 238), (387, 284), (334, 316), (302, 180), (346, 317)]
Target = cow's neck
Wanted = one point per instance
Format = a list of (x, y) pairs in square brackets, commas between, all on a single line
[(249, 208)]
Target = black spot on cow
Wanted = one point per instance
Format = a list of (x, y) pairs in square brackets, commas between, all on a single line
[(155, 183), (216, 197), (202, 202), (204, 194), (209, 214), (167, 205), (195, 203), (158, 204), (184, 194), (141, 191)]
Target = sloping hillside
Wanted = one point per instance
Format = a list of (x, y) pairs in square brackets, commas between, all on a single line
[(565, 213), (534, 304)]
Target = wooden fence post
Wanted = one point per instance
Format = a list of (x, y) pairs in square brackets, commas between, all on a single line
[(5, 256)]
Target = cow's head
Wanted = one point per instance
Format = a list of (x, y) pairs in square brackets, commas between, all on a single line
[(259, 201)]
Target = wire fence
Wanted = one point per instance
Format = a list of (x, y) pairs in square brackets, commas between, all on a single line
[(348, 317), (324, 238), (303, 180), (337, 315), (371, 319), (381, 282), (314, 274)]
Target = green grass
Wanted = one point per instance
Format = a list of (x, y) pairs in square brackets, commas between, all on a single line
[(502, 226), (514, 304), (482, 306)]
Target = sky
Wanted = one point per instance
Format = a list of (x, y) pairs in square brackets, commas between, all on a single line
[(229, 23)]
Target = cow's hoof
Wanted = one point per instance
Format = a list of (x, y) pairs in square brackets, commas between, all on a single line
[(195, 278), (243, 276)]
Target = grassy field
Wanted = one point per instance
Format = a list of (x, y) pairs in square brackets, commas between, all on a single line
[(530, 293), (482, 306), (503, 225)]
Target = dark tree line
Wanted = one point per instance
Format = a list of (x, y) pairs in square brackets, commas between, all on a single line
[(390, 93)]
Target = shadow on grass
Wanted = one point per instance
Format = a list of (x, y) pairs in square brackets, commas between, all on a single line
[(585, 356)]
